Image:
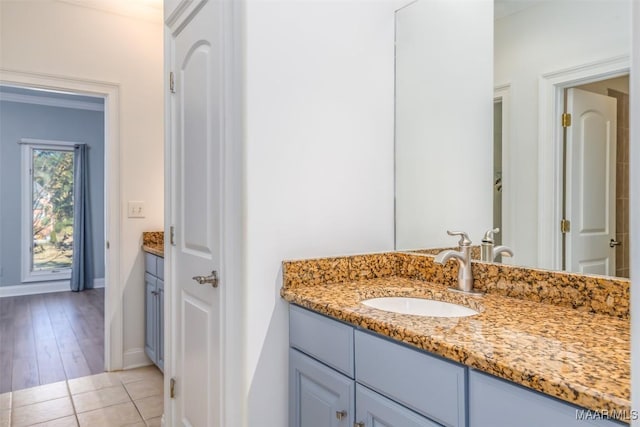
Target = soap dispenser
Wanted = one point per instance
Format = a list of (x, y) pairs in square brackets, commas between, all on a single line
[(488, 251), (486, 247)]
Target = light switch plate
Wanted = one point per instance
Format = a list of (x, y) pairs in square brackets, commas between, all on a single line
[(135, 209)]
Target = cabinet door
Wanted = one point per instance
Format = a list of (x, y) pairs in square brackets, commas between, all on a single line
[(151, 316), (320, 396), (374, 410), (499, 403), (160, 325)]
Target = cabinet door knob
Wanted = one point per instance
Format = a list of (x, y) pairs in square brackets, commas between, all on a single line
[(358, 424), (341, 414)]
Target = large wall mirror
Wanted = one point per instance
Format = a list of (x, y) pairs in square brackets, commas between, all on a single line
[(558, 193)]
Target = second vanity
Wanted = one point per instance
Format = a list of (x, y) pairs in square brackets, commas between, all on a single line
[(153, 248), (546, 349)]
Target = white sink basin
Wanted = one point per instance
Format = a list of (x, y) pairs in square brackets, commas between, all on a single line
[(420, 307)]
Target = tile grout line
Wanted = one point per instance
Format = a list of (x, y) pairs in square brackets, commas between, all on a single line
[(75, 413), (133, 401), (73, 405)]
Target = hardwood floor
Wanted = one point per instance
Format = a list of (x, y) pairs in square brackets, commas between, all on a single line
[(50, 337)]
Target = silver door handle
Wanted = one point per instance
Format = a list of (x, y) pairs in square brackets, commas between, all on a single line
[(213, 279), (614, 243)]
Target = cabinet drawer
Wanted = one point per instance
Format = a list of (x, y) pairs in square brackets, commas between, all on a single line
[(324, 339), (150, 263), (426, 384), (499, 403)]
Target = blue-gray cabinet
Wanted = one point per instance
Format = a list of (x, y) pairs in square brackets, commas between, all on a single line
[(154, 309), (427, 384), (336, 369), (497, 403), (378, 411), (330, 378), (323, 396)]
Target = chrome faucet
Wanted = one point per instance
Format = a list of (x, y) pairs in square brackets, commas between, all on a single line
[(488, 251), (463, 256)]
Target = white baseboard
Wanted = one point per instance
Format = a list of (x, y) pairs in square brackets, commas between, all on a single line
[(135, 358), (42, 288), (34, 288)]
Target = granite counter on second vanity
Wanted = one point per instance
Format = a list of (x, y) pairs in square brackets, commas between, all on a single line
[(153, 242), (576, 355)]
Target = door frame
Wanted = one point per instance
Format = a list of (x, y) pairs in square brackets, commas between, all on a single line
[(503, 94), (113, 310), (551, 88)]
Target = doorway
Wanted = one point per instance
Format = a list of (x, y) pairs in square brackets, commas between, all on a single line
[(109, 93), (595, 190), (551, 90), (49, 335)]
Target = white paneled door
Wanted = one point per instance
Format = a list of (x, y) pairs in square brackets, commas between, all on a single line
[(591, 182), (195, 200)]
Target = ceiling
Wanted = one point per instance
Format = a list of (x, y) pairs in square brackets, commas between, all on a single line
[(504, 8), (150, 10)]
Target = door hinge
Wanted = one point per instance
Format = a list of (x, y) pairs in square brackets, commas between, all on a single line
[(566, 120), (107, 244), (172, 235), (172, 82), (172, 388), (565, 226)]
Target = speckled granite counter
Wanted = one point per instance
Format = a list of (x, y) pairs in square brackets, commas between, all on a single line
[(153, 242), (575, 355)]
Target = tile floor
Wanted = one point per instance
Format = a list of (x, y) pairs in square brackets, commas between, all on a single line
[(110, 399)]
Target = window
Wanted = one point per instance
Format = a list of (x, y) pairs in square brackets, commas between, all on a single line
[(47, 213)]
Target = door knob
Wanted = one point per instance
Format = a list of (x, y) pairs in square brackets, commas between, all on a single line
[(614, 243), (213, 279), (341, 414)]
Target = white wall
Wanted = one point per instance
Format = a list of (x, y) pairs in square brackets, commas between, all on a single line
[(549, 37), (634, 209), (76, 42), (444, 134), (319, 160)]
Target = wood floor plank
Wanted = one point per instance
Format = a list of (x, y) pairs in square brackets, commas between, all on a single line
[(6, 370), (75, 364), (24, 373), (50, 367), (93, 351), (47, 338), (24, 345), (7, 310), (40, 320)]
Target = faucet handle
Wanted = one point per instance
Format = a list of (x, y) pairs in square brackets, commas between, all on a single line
[(464, 237), (488, 236)]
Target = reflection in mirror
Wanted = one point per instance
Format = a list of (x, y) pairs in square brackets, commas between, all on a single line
[(547, 55), (444, 83)]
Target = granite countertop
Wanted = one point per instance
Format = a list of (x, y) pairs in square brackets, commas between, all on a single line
[(153, 242), (579, 357)]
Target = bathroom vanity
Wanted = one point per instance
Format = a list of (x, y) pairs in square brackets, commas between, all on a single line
[(153, 247), (519, 361)]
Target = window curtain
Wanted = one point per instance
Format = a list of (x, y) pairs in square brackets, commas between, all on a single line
[(82, 263)]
